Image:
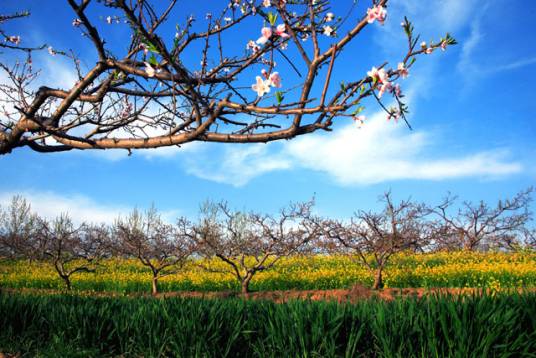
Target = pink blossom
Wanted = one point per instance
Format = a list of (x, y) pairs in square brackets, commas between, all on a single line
[(253, 46), (329, 17), (376, 13), (149, 70), (443, 45), (261, 86), (360, 118), (77, 22), (383, 76), (386, 86), (275, 80), (51, 51), (373, 73), (393, 113), (144, 48), (266, 34), (378, 75), (266, 3), (328, 30), (127, 109), (14, 39), (429, 50), (397, 90), (280, 31), (402, 70)]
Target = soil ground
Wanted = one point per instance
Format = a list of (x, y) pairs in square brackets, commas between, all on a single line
[(353, 294)]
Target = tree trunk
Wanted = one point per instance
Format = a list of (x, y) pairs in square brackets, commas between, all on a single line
[(154, 290), (378, 279), (245, 284), (67, 281)]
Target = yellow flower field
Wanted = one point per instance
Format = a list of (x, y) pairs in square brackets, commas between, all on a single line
[(444, 269)]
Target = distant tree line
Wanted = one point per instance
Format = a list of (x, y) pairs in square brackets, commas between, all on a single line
[(250, 242)]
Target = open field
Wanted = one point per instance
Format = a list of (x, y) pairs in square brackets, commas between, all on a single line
[(454, 269), (438, 304), (463, 326)]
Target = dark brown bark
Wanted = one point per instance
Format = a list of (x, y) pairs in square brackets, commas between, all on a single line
[(66, 279)]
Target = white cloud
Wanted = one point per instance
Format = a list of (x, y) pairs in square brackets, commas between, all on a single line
[(469, 45), (235, 165), (469, 60), (57, 72), (382, 151), (79, 207)]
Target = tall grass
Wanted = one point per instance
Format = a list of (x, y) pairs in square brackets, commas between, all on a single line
[(64, 325)]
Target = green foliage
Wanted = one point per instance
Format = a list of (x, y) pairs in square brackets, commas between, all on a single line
[(279, 97), (463, 326), (272, 18)]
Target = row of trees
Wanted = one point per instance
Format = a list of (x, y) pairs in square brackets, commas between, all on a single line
[(249, 242)]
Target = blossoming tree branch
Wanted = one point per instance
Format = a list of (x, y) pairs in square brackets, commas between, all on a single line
[(243, 87)]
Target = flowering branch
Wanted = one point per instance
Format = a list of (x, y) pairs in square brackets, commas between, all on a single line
[(150, 93)]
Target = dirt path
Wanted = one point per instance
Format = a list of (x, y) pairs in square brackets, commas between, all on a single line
[(354, 294)]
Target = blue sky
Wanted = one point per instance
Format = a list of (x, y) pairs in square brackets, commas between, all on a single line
[(472, 110)]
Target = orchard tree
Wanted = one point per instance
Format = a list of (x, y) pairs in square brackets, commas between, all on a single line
[(251, 242), (71, 248), (157, 245), (18, 226), (480, 226), (243, 87), (376, 236), (530, 239)]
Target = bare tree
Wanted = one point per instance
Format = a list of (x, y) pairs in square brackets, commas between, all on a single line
[(18, 225), (375, 237), (480, 226), (149, 94), (70, 248), (250, 242), (158, 245), (529, 239)]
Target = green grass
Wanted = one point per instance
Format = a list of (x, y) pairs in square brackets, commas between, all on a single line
[(445, 326)]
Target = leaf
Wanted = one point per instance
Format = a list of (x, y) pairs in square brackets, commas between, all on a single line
[(279, 97), (358, 110), (272, 18), (151, 47), (152, 60)]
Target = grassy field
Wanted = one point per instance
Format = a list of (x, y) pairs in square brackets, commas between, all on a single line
[(74, 326), (453, 269)]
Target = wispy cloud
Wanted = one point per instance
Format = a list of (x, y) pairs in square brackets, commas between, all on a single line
[(379, 152), (79, 207), (382, 152), (235, 165), (470, 63)]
